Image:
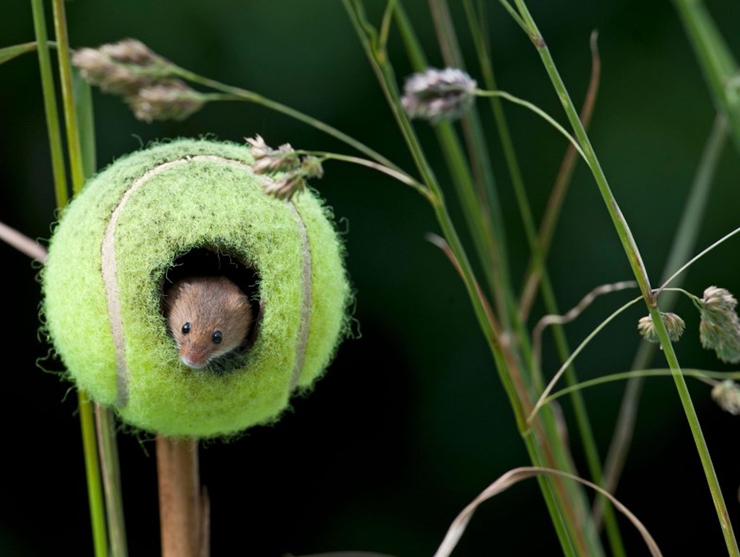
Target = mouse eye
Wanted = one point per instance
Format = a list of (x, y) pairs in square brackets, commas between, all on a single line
[(186, 328), (217, 337)]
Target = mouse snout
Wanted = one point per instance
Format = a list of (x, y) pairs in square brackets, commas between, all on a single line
[(195, 356)]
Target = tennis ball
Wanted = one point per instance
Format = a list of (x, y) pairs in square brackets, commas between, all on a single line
[(192, 207)]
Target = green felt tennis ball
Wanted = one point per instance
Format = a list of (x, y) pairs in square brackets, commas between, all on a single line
[(192, 207)]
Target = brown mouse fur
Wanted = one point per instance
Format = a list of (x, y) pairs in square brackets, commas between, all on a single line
[(208, 317)]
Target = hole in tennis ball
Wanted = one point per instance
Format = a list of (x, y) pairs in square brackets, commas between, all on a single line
[(213, 263)]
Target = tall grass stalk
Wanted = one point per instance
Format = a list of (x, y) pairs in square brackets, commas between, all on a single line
[(543, 442), (715, 59), (51, 111), (70, 113), (538, 244), (475, 182), (87, 420), (687, 232), (638, 268)]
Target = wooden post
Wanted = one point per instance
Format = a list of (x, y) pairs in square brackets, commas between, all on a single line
[(183, 513)]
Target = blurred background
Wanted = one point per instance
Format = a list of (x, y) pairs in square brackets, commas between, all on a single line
[(410, 422)]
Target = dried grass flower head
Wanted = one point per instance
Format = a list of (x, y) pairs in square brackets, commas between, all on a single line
[(144, 79), (673, 324), (170, 100), (270, 161), (719, 328), (288, 167), (436, 95), (121, 68), (727, 395)]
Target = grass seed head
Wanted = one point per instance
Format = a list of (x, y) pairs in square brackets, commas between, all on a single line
[(727, 395), (673, 324), (719, 328), (436, 95)]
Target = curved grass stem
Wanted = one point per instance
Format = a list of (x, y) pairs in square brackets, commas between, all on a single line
[(559, 189), (539, 245), (395, 174), (694, 259), (551, 385), (708, 377), (687, 232), (545, 445), (246, 95), (537, 110)]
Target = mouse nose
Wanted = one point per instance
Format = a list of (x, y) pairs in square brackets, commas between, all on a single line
[(195, 363), (195, 357)]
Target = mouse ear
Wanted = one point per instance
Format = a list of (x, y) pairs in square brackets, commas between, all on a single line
[(128, 232)]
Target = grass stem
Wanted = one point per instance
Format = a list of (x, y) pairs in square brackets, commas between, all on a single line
[(92, 470), (70, 114), (50, 105), (244, 94), (108, 450), (687, 232), (638, 268)]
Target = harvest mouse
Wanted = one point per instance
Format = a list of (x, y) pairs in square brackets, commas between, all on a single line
[(208, 317)]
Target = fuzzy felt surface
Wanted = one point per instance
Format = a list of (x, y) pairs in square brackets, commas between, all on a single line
[(206, 199)]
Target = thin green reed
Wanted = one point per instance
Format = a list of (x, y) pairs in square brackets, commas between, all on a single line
[(635, 260), (684, 243), (537, 248), (543, 444), (87, 421)]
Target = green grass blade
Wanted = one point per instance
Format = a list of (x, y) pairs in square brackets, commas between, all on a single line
[(635, 259), (50, 105), (106, 437), (10, 52), (699, 374), (572, 509), (70, 114), (86, 122), (109, 464), (684, 243), (95, 492), (92, 473), (715, 59), (480, 204)]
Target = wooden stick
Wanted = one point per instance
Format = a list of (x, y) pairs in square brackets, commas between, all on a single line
[(22, 243), (182, 513)]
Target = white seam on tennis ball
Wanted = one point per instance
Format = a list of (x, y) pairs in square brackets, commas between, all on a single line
[(305, 323), (110, 282)]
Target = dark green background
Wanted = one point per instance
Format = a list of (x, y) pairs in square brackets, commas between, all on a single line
[(410, 422)]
